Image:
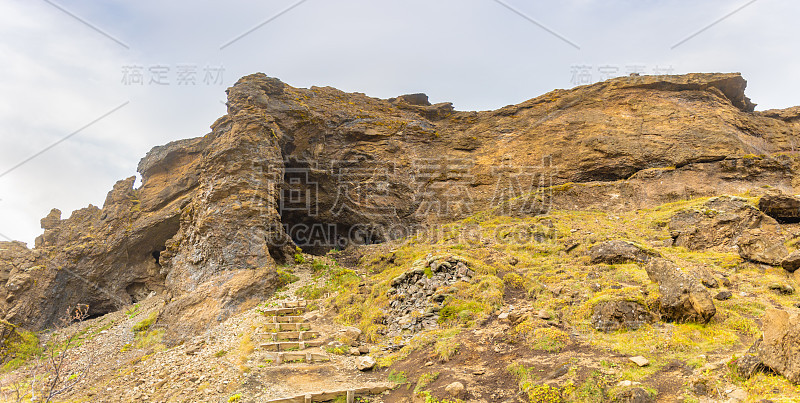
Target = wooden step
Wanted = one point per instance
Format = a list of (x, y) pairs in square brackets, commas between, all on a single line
[(290, 345), (282, 311), (286, 327), (294, 357), (296, 304), (290, 335), (286, 319), (325, 396)]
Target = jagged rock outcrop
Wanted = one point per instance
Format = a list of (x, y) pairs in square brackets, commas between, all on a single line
[(682, 298), (720, 222), (618, 251), (762, 246), (319, 168), (610, 316), (780, 348), (791, 262)]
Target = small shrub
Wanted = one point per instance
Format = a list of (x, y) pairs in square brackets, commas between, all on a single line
[(536, 393), (22, 350), (246, 348), (310, 291), (143, 333), (286, 277), (299, 258), (513, 280), (459, 310), (318, 267), (397, 377), (341, 350), (592, 389), (145, 324), (542, 338), (149, 338), (220, 353), (132, 311), (235, 398), (549, 339), (425, 380), (428, 398), (446, 348), (544, 394)]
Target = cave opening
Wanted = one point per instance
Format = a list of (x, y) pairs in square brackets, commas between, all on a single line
[(96, 315), (307, 207)]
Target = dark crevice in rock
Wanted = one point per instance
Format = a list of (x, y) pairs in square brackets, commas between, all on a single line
[(157, 255), (701, 160), (138, 291), (315, 213)]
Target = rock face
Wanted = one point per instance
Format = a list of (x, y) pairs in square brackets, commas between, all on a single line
[(612, 252), (780, 348), (682, 297), (319, 168)]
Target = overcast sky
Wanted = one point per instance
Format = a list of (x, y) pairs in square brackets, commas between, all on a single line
[(107, 81)]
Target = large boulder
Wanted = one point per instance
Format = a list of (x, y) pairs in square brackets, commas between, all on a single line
[(780, 347), (682, 297), (717, 223), (761, 246), (791, 262), (610, 316), (618, 251), (782, 207), (633, 395), (365, 363)]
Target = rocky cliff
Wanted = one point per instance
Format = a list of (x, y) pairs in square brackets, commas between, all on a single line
[(319, 169)]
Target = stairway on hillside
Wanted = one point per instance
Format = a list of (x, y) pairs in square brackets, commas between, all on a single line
[(289, 335), (290, 340)]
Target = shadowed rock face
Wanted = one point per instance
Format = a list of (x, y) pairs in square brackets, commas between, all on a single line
[(319, 168)]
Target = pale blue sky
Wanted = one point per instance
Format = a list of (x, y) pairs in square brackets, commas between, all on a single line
[(63, 65)]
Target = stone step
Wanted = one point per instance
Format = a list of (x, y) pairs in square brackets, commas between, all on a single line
[(290, 335), (325, 396), (282, 311), (281, 327), (290, 345), (293, 357)]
